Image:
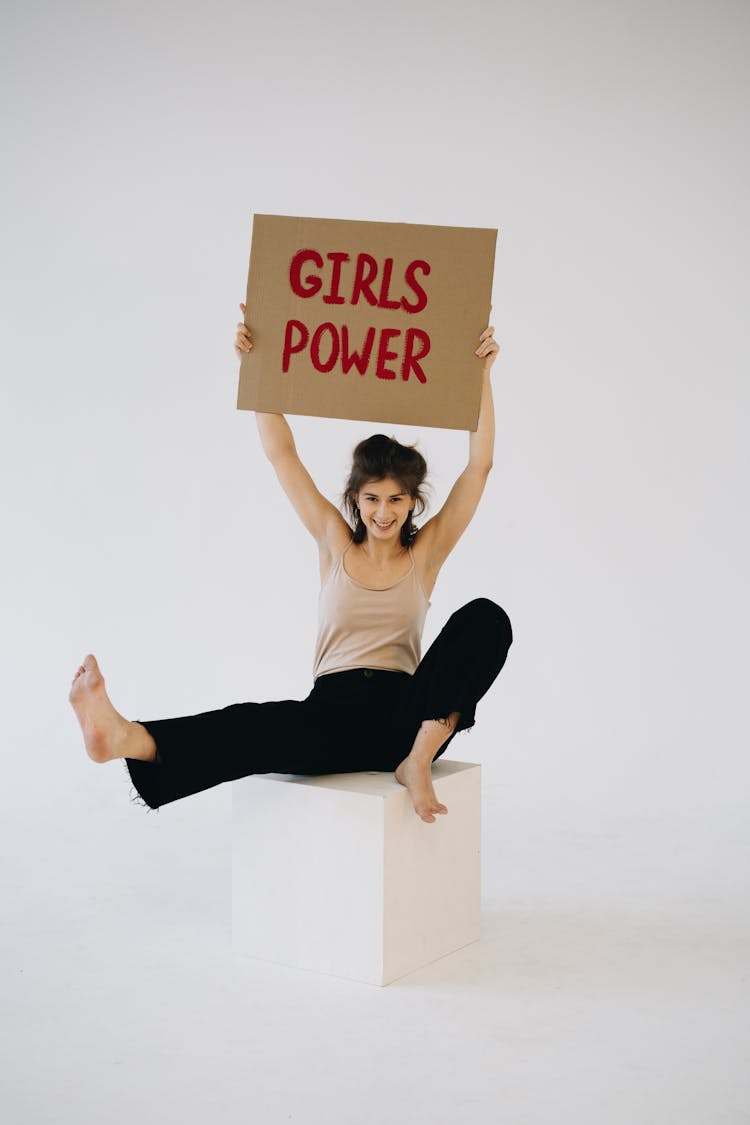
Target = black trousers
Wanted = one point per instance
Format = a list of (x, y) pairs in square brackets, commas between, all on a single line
[(364, 719)]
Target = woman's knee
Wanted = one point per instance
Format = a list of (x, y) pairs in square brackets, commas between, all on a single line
[(484, 613)]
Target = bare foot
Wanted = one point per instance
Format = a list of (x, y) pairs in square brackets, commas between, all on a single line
[(415, 772), (106, 733)]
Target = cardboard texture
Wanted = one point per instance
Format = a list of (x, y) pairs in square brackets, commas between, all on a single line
[(364, 320)]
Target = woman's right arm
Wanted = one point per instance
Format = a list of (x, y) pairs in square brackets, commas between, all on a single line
[(324, 521)]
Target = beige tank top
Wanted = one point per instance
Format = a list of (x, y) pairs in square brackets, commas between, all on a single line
[(359, 627)]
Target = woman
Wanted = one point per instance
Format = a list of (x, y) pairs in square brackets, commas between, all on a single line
[(374, 705)]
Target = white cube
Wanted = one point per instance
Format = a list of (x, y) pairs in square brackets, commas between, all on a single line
[(339, 875)]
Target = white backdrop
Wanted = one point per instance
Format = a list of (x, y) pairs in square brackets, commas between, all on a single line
[(141, 522)]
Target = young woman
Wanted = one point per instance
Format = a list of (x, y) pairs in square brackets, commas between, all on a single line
[(376, 703)]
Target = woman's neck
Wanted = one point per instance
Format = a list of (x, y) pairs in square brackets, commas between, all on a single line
[(381, 554)]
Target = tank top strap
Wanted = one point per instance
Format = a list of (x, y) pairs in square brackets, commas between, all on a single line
[(417, 578), (338, 565)]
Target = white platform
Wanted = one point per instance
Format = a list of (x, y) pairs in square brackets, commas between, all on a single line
[(339, 875)]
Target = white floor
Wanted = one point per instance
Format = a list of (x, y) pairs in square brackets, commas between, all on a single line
[(610, 984)]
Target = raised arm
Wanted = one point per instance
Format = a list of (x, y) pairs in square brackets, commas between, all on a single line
[(442, 532), (318, 514)]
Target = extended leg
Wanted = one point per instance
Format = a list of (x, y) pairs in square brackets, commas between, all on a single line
[(172, 758)]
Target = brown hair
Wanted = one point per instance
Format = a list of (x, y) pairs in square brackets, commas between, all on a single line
[(375, 458)]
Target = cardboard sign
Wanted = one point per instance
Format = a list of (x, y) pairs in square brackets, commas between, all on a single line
[(370, 321)]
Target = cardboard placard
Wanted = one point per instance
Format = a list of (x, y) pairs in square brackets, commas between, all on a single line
[(366, 320)]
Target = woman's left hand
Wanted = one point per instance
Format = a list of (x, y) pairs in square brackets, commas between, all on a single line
[(488, 347)]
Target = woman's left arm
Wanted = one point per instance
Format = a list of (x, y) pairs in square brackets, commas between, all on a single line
[(482, 440), (444, 530)]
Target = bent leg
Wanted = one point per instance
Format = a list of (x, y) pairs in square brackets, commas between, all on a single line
[(457, 670), (463, 662)]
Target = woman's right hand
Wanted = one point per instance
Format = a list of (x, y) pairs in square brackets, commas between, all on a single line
[(242, 342)]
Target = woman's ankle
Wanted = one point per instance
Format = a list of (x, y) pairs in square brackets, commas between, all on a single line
[(432, 734), (140, 744)]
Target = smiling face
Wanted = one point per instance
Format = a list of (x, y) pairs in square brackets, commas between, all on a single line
[(384, 508)]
